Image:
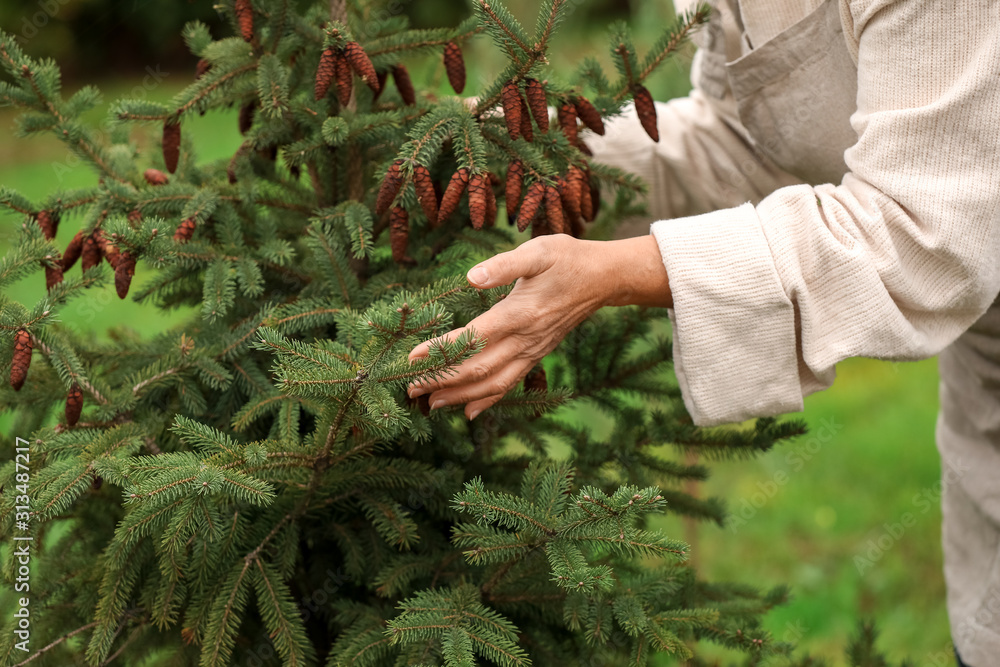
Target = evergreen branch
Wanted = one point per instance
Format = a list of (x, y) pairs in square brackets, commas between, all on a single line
[(422, 43), (79, 379), (55, 643), (135, 633), (211, 87), (549, 25), (488, 10)]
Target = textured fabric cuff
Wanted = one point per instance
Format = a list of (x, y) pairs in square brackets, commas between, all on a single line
[(734, 326)]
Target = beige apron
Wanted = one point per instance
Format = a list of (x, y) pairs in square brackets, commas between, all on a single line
[(795, 95)]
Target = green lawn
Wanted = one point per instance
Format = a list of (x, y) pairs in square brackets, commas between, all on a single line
[(807, 510)]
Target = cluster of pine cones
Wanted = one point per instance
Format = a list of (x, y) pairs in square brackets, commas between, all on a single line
[(91, 250)]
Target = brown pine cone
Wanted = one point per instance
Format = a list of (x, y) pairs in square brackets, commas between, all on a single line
[(535, 92), (453, 194), (108, 251), (73, 251), (554, 211), (96, 486), (247, 112), (22, 359), (74, 405), (567, 121), (478, 186), (510, 97), (454, 65), (646, 110), (343, 77), (587, 209), (53, 276), (244, 18), (424, 186), (491, 203), (324, 73), (135, 217), (391, 184), (512, 188), (382, 76), (535, 380), (583, 147), (404, 85), (49, 222), (171, 144), (569, 190), (529, 207), (526, 131), (595, 198), (399, 233), (91, 253), (590, 116), (540, 225), (124, 271), (184, 231), (201, 69), (155, 177), (362, 64)]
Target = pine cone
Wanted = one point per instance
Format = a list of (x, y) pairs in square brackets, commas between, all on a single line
[(244, 18), (583, 147), (53, 276), (22, 359), (646, 110), (491, 203), (590, 116), (361, 64), (155, 177), (124, 271), (135, 217), (108, 251), (91, 253), (201, 69), (510, 97), (74, 405), (567, 121), (404, 85), (477, 200), (184, 231), (344, 78), (569, 190), (554, 211), (391, 184), (453, 194), (399, 233), (529, 207), (382, 76), (587, 200), (454, 65), (171, 144), (424, 186), (49, 222), (526, 131), (535, 380), (325, 72), (535, 92), (512, 188), (595, 198), (72, 251)]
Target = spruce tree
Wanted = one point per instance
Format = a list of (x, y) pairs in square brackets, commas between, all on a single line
[(254, 487)]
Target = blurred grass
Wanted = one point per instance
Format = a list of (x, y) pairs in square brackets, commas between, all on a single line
[(809, 508)]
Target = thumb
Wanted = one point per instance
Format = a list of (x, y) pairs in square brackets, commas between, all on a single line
[(503, 269)]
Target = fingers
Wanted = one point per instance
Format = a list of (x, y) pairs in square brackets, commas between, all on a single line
[(525, 261), (499, 383), (480, 367), (473, 409)]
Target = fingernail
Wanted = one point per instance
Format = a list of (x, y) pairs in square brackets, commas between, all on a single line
[(474, 414), (414, 392), (437, 404), (478, 276)]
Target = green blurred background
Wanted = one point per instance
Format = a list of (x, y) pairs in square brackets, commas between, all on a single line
[(817, 514)]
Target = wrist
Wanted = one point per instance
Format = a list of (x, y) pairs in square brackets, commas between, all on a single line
[(633, 274)]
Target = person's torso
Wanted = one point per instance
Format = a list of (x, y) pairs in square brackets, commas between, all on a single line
[(792, 77)]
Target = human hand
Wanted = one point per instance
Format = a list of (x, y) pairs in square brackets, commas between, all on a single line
[(561, 281)]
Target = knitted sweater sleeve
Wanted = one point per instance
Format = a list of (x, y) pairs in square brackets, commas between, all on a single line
[(894, 262)]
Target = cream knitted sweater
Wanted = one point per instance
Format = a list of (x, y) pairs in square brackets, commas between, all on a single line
[(776, 279)]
